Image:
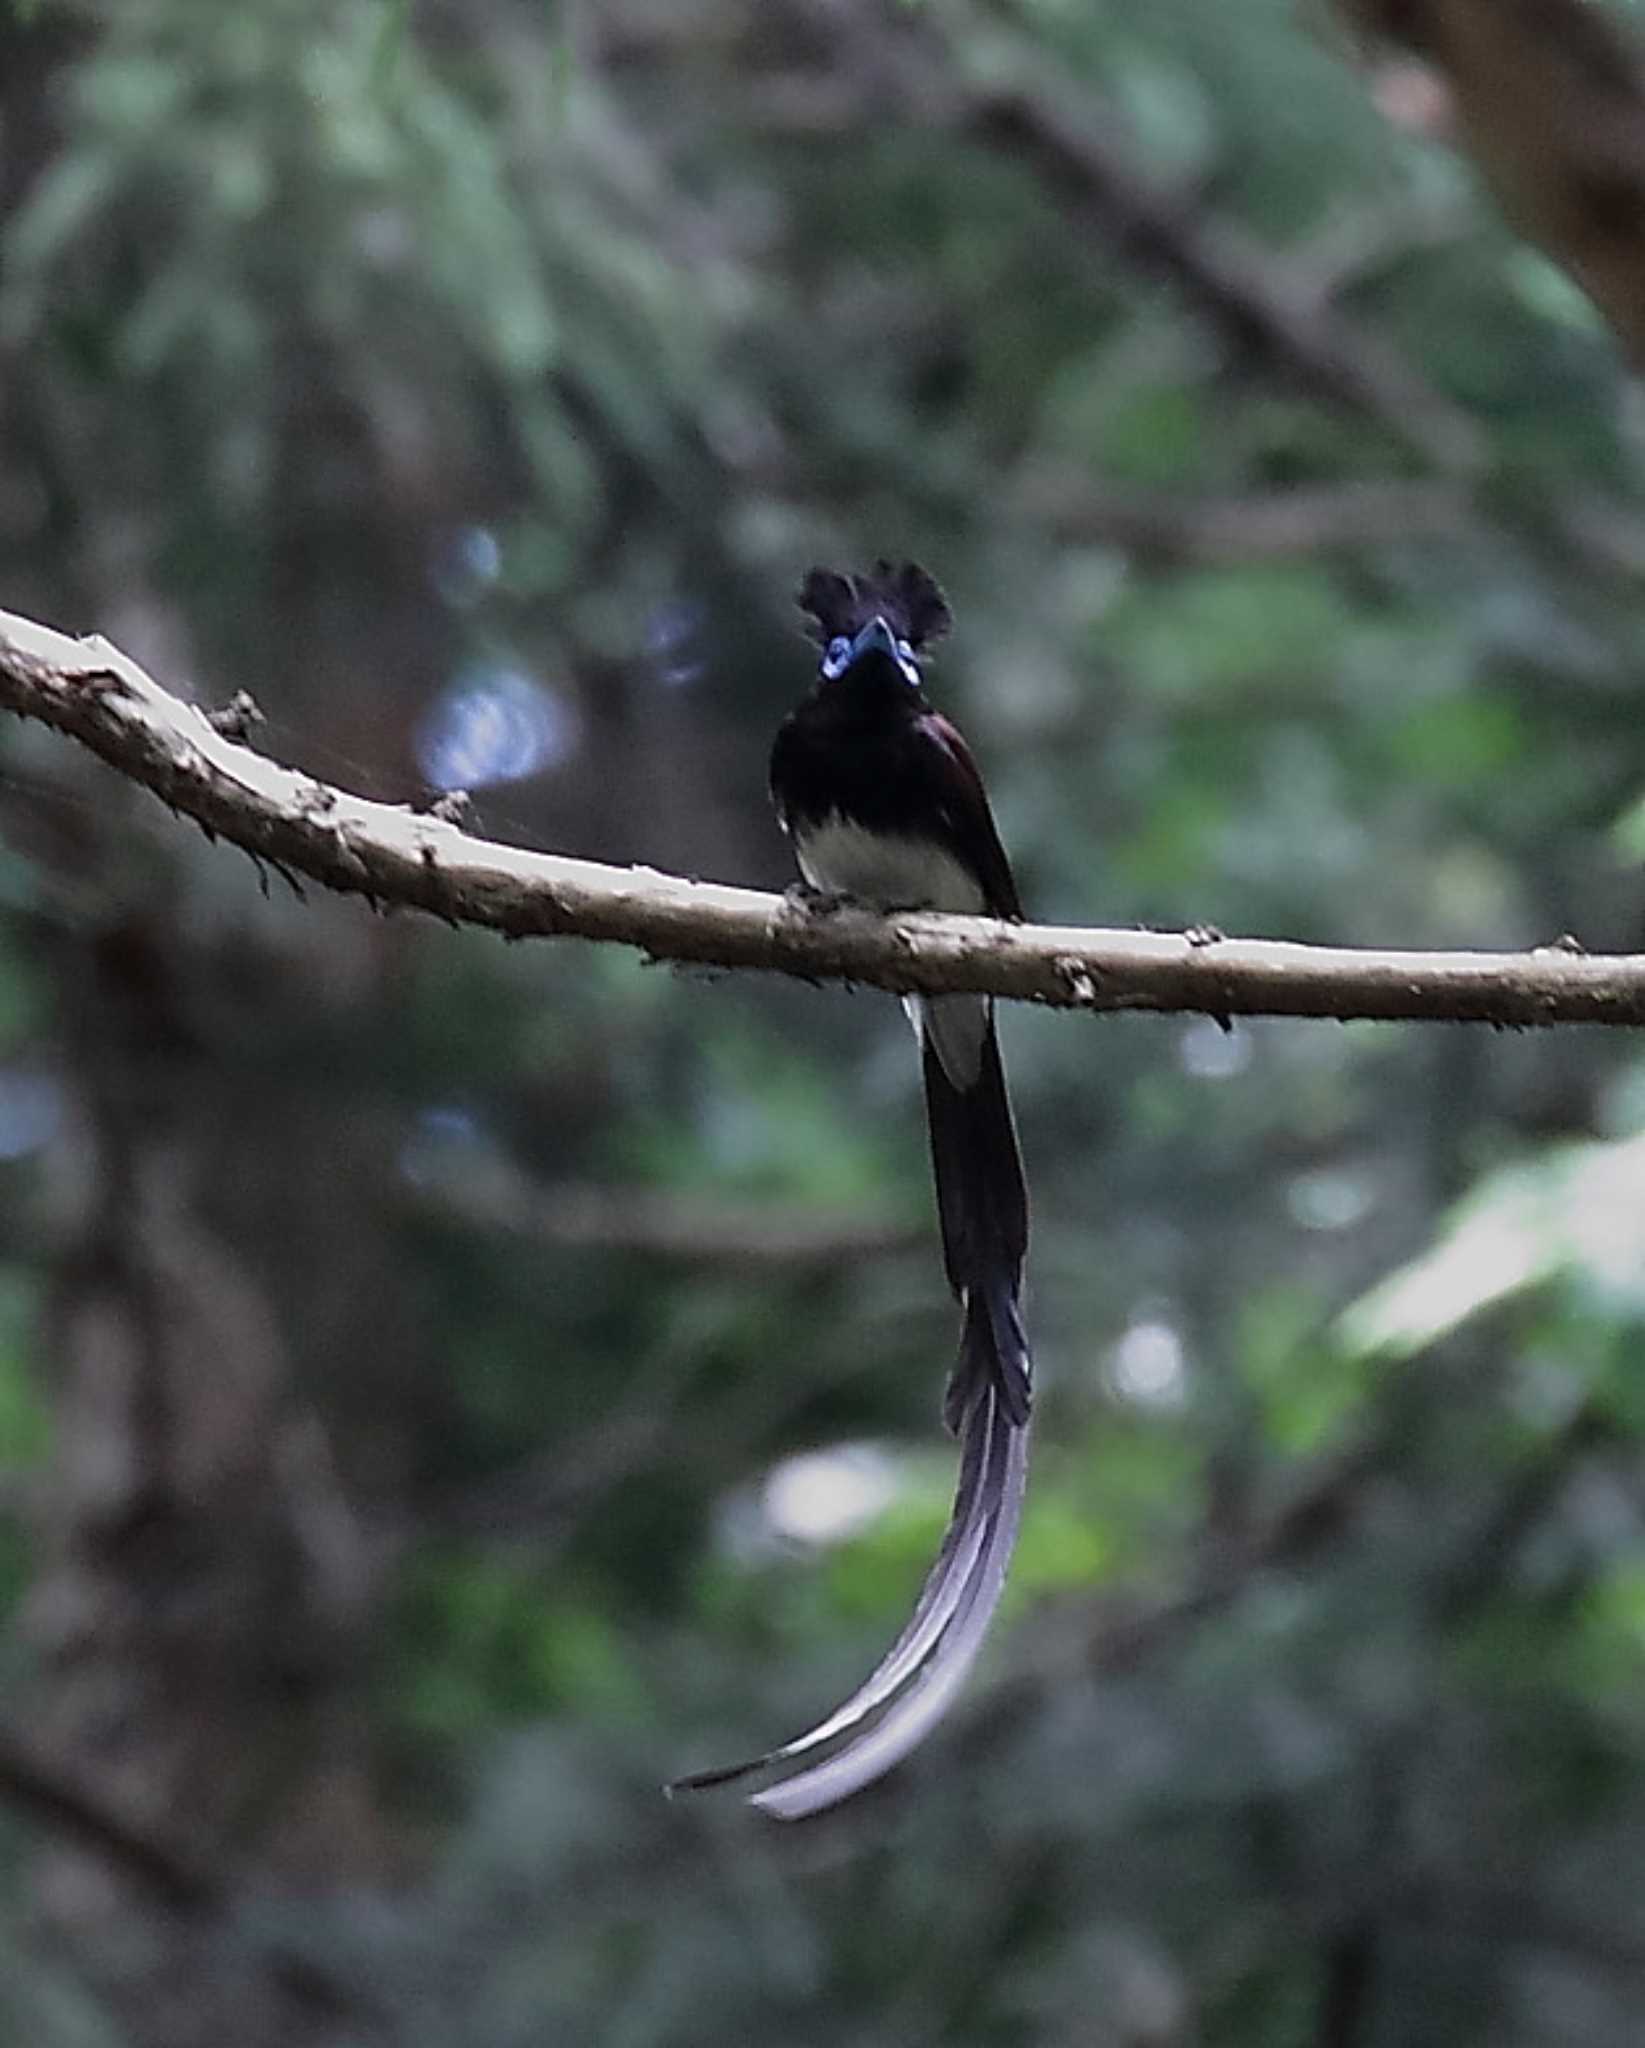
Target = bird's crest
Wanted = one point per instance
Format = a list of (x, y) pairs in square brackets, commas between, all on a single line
[(902, 593)]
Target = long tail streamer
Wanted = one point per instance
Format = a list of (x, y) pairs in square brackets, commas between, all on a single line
[(907, 1692), (983, 1210)]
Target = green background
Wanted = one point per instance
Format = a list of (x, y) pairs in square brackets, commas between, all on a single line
[(399, 1330)]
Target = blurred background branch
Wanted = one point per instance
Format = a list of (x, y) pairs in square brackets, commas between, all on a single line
[(156, 1864), (1548, 99)]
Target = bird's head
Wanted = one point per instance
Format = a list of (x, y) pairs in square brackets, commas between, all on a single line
[(875, 625)]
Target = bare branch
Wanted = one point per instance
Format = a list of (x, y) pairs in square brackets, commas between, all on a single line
[(656, 1223), (171, 1872), (1548, 98), (1074, 145), (167, 1870), (1600, 537), (1252, 526), (393, 856), (1222, 271)]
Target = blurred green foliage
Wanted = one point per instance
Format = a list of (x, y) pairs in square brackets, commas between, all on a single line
[(472, 381)]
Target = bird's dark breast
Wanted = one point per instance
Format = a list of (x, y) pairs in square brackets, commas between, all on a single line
[(881, 763), (885, 784), (871, 821)]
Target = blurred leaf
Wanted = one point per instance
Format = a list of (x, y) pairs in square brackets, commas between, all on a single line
[(1576, 1212)]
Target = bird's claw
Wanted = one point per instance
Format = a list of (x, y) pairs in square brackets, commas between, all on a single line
[(814, 902)]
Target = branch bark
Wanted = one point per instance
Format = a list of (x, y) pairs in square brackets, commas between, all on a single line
[(395, 857)]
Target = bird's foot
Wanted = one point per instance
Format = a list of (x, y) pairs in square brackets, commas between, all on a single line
[(814, 902)]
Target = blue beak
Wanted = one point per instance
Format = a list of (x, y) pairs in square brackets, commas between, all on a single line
[(875, 638)]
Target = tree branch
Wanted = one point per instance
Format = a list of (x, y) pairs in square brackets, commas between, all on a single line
[(493, 1195), (399, 858), (171, 1872), (1241, 527), (1016, 106), (1548, 98), (1223, 272)]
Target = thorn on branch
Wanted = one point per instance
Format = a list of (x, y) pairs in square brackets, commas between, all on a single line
[(430, 859), (807, 902), (238, 719), (451, 807), (262, 863)]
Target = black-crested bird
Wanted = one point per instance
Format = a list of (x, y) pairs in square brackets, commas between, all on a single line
[(883, 804)]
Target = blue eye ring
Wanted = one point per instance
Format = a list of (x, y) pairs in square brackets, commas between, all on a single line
[(836, 655)]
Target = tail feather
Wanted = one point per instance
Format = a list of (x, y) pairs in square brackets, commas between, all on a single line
[(983, 1208), (993, 1352), (911, 1717), (982, 1204), (896, 1706)]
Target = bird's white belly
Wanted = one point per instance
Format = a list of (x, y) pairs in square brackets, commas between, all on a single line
[(894, 874)]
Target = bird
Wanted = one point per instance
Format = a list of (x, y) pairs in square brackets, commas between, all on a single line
[(883, 805)]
